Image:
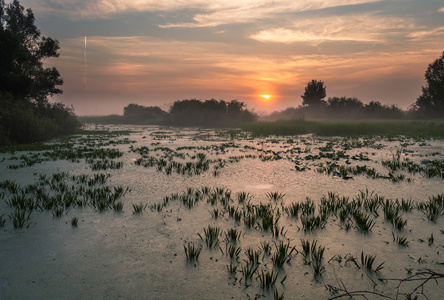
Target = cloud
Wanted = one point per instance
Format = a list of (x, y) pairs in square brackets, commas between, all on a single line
[(207, 13), (430, 33), (250, 11), (360, 28), (441, 9)]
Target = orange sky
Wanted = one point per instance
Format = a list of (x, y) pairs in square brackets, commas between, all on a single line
[(153, 54)]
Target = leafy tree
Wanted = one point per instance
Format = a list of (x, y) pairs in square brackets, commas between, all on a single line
[(195, 112), (23, 50), (345, 107), (138, 114), (25, 84), (314, 94), (431, 102)]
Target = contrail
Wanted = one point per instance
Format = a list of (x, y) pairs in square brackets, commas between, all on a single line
[(85, 65)]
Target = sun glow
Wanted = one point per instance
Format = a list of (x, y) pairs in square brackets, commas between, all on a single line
[(265, 97)]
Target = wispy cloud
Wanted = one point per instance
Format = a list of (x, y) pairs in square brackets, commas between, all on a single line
[(208, 13), (361, 28), (248, 11)]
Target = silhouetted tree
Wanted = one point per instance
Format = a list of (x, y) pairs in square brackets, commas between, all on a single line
[(344, 107), (138, 114), (314, 94), (431, 102), (207, 113), (25, 84), (376, 110), (23, 50)]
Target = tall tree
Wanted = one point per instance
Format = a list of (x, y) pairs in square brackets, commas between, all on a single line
[(314, 94), (23, 49), (431, 102), (26, 115)]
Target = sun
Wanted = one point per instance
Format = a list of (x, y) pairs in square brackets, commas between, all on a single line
[(265, 97)]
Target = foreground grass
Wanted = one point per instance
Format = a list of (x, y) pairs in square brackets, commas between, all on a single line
[(413, 129)]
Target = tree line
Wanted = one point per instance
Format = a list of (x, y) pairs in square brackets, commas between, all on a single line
[(188, 112), (430, 104)]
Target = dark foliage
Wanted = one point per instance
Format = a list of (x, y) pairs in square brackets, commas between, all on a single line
[(431, 102), (341, 108), (25, 84), (314, 94), (195, 112), (138, 114)]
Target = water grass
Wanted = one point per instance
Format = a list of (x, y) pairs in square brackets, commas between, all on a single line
[(267, 279), (211, 236), (414, 129), (19, 218), (138, 208), (74, 221), (252, 255), (192, 252), (367, 262), (2, 221), (283, 253), (233, 234), (232, 250), (400, 240)]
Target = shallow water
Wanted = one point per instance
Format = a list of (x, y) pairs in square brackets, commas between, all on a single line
[(113, 255)]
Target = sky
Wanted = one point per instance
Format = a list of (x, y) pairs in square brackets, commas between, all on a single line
[(152, 53)]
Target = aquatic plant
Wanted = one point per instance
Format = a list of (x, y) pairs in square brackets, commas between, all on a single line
[(363, 221), (267, 279), (398, 222), (367, 261), (211, 236), (400, 240), (232, 269), (58, 212), (192, 252), (233, 234), (265, 247), (292, 209), (19, 218), (311, 222), (276, 295), (232, 250), (283, 253), (275, 196), (252, 255), (248, 270), (2, 221), (138, 208), (216, 213), (118, 206), (243, 197), (250, 219)]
